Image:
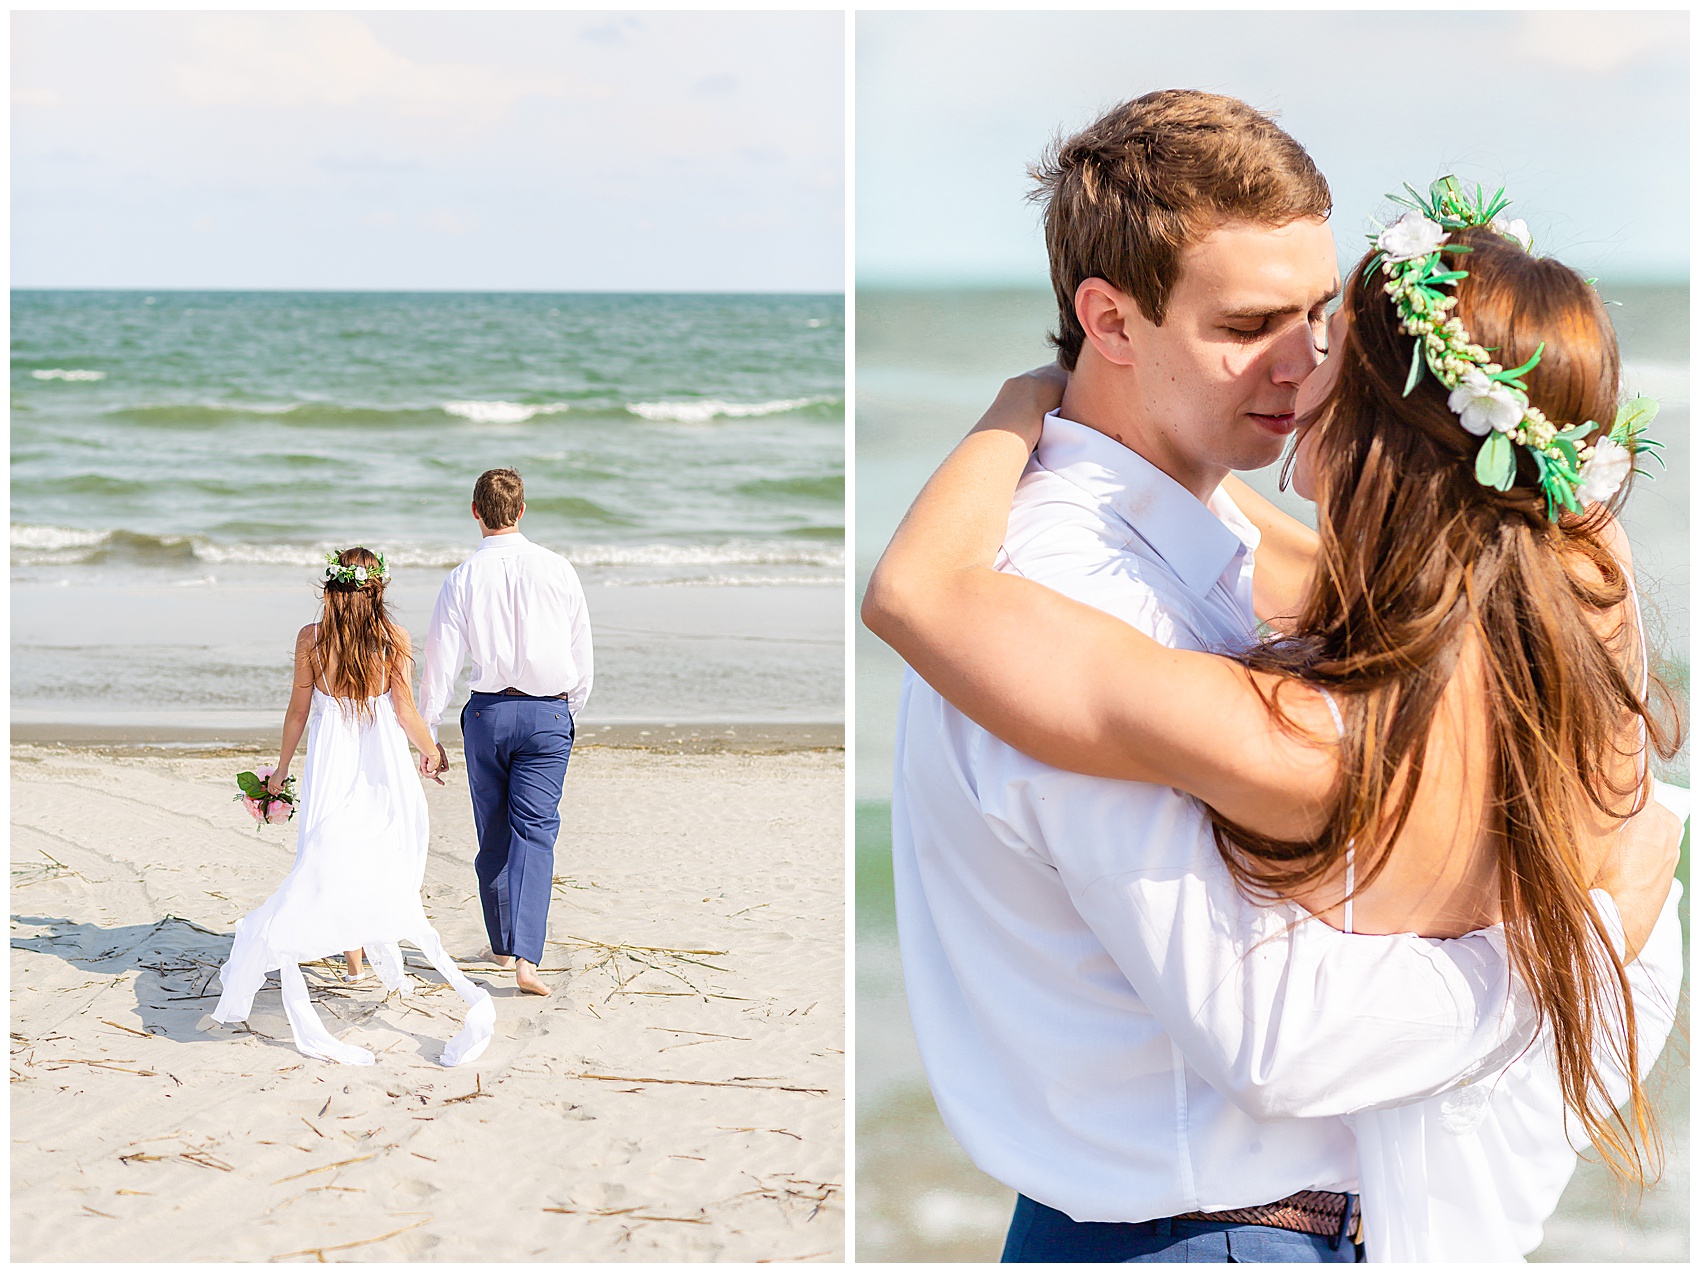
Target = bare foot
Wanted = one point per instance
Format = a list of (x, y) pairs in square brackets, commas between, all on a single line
[(501, 961), (352, 959), (525, 977)]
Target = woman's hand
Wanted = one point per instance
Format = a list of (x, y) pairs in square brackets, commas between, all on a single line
[(1024, 401), (958, 521), (279, 776), (1638, 872), (433, 763)]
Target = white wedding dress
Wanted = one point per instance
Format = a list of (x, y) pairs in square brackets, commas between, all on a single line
[(359, 865), (1471, 1176)]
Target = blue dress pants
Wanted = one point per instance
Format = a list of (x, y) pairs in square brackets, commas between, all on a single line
[(516, 760), (1040, 1235)]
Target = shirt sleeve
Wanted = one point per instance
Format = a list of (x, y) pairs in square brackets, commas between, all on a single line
[(1285, 1016), (579, 645), (445, 651)]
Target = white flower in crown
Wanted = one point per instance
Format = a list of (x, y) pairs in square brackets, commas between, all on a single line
[(330, 573), (1410, 238), (1604, 472), (1517, 229), (360, 574), (1483, 405)]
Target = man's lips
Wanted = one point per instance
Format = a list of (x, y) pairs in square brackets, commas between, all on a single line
[(1282, 423)]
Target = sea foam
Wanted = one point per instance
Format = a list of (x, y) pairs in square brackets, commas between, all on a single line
[(55, 538), (60, 373), (63, 545), (700, 410), (502, 412), (751, 553)]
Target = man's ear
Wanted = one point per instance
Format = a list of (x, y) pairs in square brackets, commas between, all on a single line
[(1106, 313)]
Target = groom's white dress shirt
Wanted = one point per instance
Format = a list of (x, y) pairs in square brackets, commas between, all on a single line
[(517, 610), (1107, 1024)]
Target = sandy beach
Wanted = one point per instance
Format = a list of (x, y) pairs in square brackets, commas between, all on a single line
[(680, 1095)]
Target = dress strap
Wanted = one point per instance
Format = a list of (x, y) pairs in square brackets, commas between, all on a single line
[(1333, 710), (1351, 887)]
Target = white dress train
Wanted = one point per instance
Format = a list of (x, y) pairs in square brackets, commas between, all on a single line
[(359, 865)]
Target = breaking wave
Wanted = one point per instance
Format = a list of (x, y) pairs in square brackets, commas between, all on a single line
[(702, 410), (502, 412), (64, 546)]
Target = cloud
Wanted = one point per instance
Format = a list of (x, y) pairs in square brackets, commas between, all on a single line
[(446, 221), (365, 163), (755, 222), (36, 97), (616, 32), (335, 60), (715, 85), (1603, 43)]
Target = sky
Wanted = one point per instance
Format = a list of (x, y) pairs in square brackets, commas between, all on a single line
[(536, 151), (1582, 115)]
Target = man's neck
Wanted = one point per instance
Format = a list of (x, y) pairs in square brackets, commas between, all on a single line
[(500, 530), (1106, 400)]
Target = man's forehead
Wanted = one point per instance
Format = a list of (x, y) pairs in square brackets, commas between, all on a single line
[(1245, 262)]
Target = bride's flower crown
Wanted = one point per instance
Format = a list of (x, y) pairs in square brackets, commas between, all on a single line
[(353, 576), (1490, 401)]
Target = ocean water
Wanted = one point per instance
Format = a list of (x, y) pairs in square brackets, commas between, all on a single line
[(927, 364), (197, 452)]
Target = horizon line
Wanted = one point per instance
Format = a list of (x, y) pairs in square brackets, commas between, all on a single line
[(966, 283), (445, 291)]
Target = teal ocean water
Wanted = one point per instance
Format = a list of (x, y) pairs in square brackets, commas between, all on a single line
[(663, 438), (927, 364), (194, 445)]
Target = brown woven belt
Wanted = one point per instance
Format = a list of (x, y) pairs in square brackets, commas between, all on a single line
[(1308, 1211)]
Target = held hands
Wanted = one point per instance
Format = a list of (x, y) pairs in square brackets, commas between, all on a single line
[(1638, 872), (1023, 402), (433, 765)]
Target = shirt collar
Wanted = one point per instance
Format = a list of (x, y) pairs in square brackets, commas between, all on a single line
[(499, 542), (1196, 541)]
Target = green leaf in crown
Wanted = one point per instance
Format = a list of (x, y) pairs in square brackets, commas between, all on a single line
[(1491, 401)]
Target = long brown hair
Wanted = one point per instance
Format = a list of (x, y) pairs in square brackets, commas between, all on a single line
[(356, 636), (1417, 560)]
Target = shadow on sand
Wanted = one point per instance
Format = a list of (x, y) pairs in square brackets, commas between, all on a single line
[(177, 962)]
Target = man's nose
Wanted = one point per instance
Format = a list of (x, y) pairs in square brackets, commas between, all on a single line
[(1295, 356)]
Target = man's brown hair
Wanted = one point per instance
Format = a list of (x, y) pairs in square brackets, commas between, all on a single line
[(1124, 196), (499, 496)]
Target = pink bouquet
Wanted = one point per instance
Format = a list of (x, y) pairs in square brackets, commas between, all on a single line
[(261, 804)]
